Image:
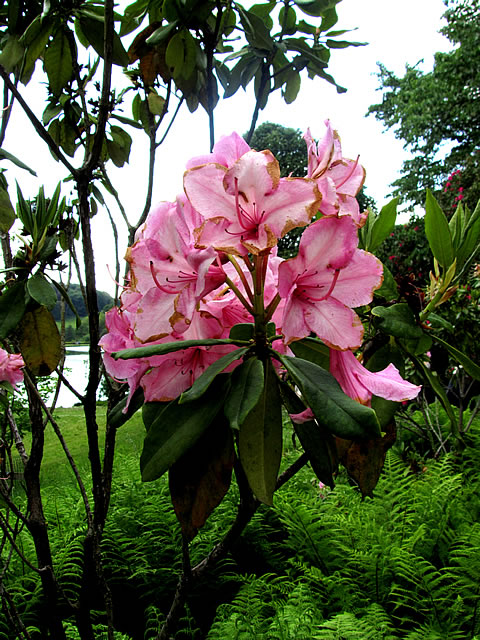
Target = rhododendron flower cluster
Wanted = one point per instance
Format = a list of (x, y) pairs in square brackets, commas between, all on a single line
[(11, 365), (208, 261)]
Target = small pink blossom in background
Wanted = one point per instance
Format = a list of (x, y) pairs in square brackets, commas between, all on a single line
[(11, 368)]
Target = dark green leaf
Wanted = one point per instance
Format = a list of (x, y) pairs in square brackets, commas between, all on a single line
[(245, 391), (398, 320), (288, 21), (41, 291), (292, 86), (387, 354), (117, 416), (313, 350), (170, 347), (316, 441), (385, 410), (176, 428), (151, 410), (12, 308), (58, 62), (162, 33), (11, 54), (5, 155), (467, 363), (457, 224), (383, 225), (418, 346), (438, 322), (339, 414), (93, 30), (128, 121), (316, 7), (118, 154), (7, 212), (203, 382), (470, 242), (260, 439), (242, 331), (175, 55), (438, 232), (256, 32)]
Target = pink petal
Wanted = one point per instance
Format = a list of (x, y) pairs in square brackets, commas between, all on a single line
[(226, 152), (329, 242), (359, 383), (152, 320), (335, 324), (358, 280), (305, 416), (204, 188), (388, 384)]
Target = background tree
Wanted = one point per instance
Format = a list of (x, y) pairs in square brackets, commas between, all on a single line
[(437, 114)]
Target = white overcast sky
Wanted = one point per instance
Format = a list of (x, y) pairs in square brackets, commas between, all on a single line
[(397, 33)]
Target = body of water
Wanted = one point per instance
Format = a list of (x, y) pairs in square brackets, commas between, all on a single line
[(76, 372)]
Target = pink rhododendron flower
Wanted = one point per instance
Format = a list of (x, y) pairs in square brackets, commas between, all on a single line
[(119, 323), (325, 281), (225, 152), (11, 367), (169, 272), (339, 179), (360, 384), (175, 372), (247, 207)]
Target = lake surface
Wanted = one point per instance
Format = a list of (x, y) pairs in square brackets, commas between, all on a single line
[(76, 372)]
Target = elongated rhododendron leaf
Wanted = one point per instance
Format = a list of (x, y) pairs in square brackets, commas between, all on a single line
[(340, 414), (245, 391), (260, 440), (312, 350), (202, 383), (200, 479), (170, 347), (316, 441), (118, 417), (438, 232), (12, 308), (176, 428), (383, 225), (469, 365), (398, 320)]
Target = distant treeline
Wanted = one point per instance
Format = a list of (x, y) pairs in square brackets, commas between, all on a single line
[(105, 301)]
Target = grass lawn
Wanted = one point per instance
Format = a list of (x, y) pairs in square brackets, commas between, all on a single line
[(55, 467)]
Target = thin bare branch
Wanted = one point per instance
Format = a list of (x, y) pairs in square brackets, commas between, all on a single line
[(37, 125)]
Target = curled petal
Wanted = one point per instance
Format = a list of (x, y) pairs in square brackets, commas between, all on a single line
[(360, 384)]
